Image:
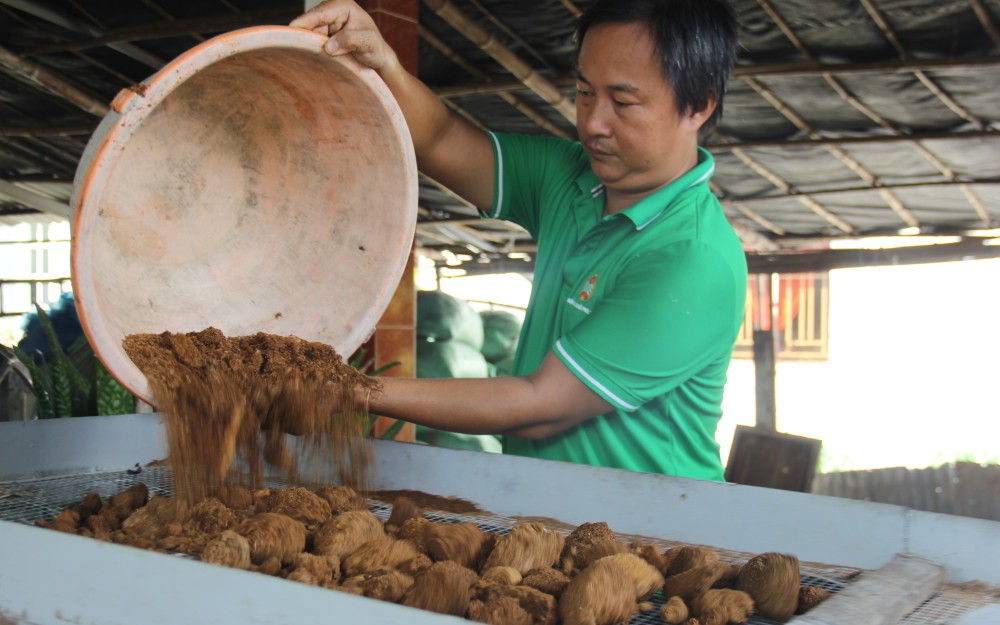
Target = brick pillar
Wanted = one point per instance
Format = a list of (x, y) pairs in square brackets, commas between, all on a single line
[(395, 337)]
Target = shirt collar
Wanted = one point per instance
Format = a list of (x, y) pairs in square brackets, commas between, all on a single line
[(651, 207)]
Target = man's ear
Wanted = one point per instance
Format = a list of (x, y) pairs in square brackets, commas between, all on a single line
[(697, 119)]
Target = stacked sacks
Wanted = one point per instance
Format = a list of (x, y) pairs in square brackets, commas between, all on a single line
[(501, 330), (449, 344)]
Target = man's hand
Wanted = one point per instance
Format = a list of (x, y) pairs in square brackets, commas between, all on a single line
[(351, 31)]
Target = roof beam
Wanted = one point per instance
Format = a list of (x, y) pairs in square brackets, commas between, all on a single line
[(572, 8), (940, 93), (798, 68), (795, 194), (507, 97), (172, 28), (33, 200), (804, 199), (513, 35), (489, 44), (894, 203), (887, 31), (986, 20), (826, 260), (791, 262), (76, 25), (51, 81), (821, 140), (28, 154), (68, 130)]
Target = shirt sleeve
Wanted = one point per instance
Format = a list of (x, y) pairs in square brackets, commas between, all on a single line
[(671, 313), (526, 169)]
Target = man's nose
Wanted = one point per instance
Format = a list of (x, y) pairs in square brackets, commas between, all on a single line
[(594, 118)]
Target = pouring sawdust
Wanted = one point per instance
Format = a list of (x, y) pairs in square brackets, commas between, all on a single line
[(233, 398)]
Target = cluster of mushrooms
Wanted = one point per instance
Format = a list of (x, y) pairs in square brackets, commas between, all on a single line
[(530, 576)]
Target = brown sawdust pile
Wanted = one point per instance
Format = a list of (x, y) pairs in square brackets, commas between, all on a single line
[(228, 401)]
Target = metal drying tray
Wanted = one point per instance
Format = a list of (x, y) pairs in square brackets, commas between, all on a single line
[(45, 466)]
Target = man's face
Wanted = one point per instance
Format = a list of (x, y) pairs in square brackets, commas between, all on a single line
[(626, 116)]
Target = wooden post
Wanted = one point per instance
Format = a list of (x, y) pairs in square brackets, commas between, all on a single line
[(395, 338), (764, 357)]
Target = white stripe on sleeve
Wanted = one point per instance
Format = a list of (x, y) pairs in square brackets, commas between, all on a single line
[(618, 400)]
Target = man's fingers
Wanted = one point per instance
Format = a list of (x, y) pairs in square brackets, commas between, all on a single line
[(365, 44), (326, 18)]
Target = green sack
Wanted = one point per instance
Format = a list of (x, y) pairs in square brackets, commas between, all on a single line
[(449, 359), (442, 317), (501, 330), (504, 366), (454, 440)]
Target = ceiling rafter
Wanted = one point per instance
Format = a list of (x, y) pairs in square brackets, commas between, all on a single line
[(795, 68), (890, 34), (464, 224), (969, 135), (513, 35), (38, 75), (503, 55), (171, 18), (755, 240), (755, 217), (167, 29), (469, 117), (572, 8), (984, 18), (68, 130), (932, 158), (804, 199), (29, 155), (507, 97), (86, 58), (894, 203), (795, 193), (39, 153), (511, 99), (977, 205), (73, 24), (34, 200)]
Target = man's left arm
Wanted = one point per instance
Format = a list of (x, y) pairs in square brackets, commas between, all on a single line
[(534, 406)]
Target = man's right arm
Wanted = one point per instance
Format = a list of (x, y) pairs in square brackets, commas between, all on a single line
[(448, 149)]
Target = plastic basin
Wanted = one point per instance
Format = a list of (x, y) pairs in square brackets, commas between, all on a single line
[(254, 184)]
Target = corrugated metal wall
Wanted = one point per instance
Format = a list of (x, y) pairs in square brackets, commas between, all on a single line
[(962, 488)]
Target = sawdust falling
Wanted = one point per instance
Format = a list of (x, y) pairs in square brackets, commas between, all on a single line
[(229, 403)]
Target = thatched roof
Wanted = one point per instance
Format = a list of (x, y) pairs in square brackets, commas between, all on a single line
[(843, 119)]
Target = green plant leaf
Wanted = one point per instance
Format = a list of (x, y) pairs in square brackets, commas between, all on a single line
[(393, 430), (23, 356), (359, 358), (112, 397), (41, 383), (385, 367), (77, 343), (61, 365)]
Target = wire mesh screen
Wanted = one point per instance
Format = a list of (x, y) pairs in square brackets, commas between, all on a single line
[(32, 500)]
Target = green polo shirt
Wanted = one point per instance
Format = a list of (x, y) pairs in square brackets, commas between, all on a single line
[(643, 306)]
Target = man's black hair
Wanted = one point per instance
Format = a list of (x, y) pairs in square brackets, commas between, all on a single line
[(696, 41)]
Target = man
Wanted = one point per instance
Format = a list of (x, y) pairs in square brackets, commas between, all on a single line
[(640, 282)]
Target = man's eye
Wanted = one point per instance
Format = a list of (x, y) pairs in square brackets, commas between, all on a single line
[(622, 105), (583, 92)]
